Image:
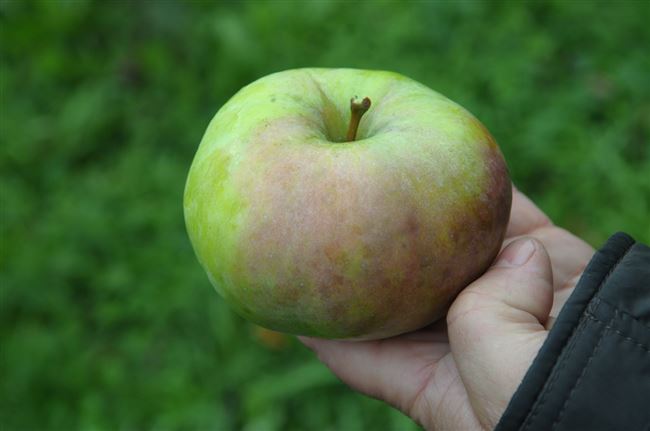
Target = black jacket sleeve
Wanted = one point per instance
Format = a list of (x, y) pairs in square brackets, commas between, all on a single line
[(593, 371)]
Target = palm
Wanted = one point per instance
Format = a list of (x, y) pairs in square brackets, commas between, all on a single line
[(416, 372)]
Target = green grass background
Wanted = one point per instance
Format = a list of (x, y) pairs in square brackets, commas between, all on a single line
[(108, 322)]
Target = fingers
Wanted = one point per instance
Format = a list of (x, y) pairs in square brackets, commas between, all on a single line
[(391, 369), (569, 254), (496, 325), (524, 215), (519, 280)]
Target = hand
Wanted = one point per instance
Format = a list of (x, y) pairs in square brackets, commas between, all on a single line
[(460, 374)]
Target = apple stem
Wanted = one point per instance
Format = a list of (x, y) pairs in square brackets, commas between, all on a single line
[(357, 110)]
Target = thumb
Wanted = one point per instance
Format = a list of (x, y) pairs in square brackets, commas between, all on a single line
[(496, 326)]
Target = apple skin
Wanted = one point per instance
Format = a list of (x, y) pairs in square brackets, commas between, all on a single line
[(303, 233)]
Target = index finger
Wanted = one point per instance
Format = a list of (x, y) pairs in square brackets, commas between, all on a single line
[(524, 215)]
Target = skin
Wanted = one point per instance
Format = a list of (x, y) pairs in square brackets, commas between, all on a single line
[(305, 233), (461, 374)]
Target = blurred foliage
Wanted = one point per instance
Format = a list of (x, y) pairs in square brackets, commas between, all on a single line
[(107, 320)]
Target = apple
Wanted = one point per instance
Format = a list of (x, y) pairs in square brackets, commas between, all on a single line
[(312, 218)]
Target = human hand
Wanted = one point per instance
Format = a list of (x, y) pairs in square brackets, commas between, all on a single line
[(460, 374)]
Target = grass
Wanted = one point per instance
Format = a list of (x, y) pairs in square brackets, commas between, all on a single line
[(108, 322)]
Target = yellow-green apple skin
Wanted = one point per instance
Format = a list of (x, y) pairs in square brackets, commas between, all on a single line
[(305, 233)]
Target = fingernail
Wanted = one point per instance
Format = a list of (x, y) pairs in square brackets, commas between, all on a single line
[(516, 253)]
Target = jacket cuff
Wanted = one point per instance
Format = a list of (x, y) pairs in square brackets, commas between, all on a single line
[(593, 370)]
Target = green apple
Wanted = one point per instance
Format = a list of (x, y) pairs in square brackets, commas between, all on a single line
[(311, 220)]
